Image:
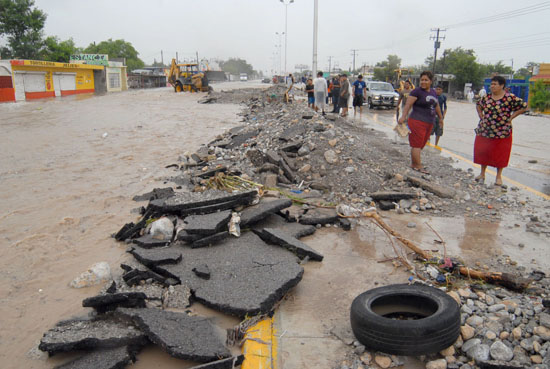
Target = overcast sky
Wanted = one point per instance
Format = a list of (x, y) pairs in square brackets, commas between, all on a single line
[(247, 29)]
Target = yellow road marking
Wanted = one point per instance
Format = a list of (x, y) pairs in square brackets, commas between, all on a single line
[(260, 346), (490, 171)]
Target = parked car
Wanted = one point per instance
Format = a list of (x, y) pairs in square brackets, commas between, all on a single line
[(381, 94), (243, 77), (266, 80)]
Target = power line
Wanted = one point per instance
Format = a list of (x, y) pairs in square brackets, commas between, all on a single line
[(437, 44), (507, 40), (502, 16)]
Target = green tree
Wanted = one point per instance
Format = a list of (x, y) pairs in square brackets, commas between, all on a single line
[(540, 98), (463, 65), (157, 64), (237, 66), (58, 51), (22, 25), (488, 70), (527, 71), (385, 70), (117, 49)]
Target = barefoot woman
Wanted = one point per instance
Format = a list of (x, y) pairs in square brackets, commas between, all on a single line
[(423, 101), (494, 133)]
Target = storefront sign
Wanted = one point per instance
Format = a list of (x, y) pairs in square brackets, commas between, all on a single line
[(94, 59)]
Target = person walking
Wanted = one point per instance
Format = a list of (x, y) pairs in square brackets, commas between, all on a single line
[(442, 100), (310, 94), (344, 94), (335, 94), (423, 101), (320, 89), (359, 93), (403, 94), (493, 142), (470, 96), (482, 93)]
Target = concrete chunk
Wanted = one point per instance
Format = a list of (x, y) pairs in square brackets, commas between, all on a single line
[(115, 358), (272, 157), (290, 243), (392, 195), (250, 276), (229, 363), (441, 191), (254, 214), (110, 301), (289, 173), (159, 256), (85, 334), (207, 224), (293, 131), (180, 335)]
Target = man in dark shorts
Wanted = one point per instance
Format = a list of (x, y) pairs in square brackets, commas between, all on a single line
[(336, 94), (310, 95), (344, 94), (359, 91), (442, 100)]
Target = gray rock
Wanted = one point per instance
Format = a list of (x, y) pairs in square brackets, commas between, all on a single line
[(304, 150), (474, 321), (544, 319), (162, 229), (470, 343), (527, 344), (331, 157), (176, 297), (479, 353), (411, 224), (405, 203), (86, 334), (180, 335), (499, 351), (497, 307)]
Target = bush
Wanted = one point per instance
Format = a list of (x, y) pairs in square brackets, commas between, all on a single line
[(540, 98)]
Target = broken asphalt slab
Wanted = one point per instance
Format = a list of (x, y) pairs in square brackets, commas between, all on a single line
[(292, 244), (189, 203), (157, 193), (159, 256), (294, 229), (210, 240), (319, 216), (115, 358), (180, 335), (392, 195), (207, 224), (110, 301), (229, 363), (249, 276), (293, 131), (148, 242), (255, 213), (441, 191), (85, 334)]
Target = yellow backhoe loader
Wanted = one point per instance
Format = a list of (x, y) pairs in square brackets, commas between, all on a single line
[(187, 77)]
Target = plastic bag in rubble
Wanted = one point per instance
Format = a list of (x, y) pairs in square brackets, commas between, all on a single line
[(234, 227), (348, 210)]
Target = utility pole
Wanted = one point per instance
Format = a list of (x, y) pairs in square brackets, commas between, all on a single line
[(354, 51), (177, 62), (329, 63), (314, 64), (437, 44), (286, 4), (512, 68), (197, 57), (161, 58)]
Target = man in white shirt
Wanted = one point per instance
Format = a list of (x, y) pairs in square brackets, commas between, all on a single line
[(320, 90), (482, 93)]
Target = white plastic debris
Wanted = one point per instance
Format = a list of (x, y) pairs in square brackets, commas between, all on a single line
[(234, 227), (96, 274), (162, 229), (104, 135)]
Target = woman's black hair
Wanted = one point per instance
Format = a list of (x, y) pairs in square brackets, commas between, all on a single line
[(428, 74), (500, 80)]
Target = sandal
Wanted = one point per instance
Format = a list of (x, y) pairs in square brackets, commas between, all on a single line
[(421, 170), (480, 179), (498, 183)]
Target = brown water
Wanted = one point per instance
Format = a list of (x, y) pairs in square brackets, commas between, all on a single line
[(65, 189)]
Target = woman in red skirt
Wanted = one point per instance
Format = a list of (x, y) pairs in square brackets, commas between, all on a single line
[(424, 104), (493, 142)]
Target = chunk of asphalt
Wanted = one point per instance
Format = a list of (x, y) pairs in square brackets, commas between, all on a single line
[(292, 244), (255, 213), (148, 242), (289, 173), (180, 335), (386, 205), (210, 240), (202, 271), (319, 216), (272, 157), (176, 297), (292, 146), (134, 276), (229, 363), (251, 276), (268, 167), (345, 224), (441, 191), (293, 229), (159, 256), (186, 237), (115, 358), (293, 131), (239, 139), (212, 172), (186, 203), (85, 334), (129, 230), (110, 301), (157, 193), (391, 195), (207, 224)]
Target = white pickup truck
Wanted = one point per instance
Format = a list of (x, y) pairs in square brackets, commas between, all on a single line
[(381, 94)]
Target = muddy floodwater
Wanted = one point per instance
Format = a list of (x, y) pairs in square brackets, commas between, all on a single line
[(69, 168)]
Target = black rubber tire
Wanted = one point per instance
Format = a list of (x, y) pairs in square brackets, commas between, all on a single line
[(370, 104), (438, 329)]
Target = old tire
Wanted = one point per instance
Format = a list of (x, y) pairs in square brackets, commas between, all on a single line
[(178, 87), (370, 104), (436, 327)]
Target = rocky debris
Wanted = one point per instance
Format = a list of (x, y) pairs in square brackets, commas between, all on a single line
[(148, 242), (210, 240), (176, 297), (180, 335), (441, 191), (207, 224), (255, 213), (86, 334), (292, 229), (391, 195), (229, 363), (110, 301), (202, 271), (248, 276), (157, 193), (318, 216), (134, 276), (277, 237), (157, 256), (114, 358), (96, 274)]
